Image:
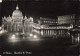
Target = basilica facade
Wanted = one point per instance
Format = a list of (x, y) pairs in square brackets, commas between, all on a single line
[(48, 27), (17, 22)]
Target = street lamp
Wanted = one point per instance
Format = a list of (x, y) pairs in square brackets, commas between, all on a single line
[(31, 34), (35, 36), (1, 32), (13, 36)]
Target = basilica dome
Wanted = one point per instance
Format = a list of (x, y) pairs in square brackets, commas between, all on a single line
[(17, 12)]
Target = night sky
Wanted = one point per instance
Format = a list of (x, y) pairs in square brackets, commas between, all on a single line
[(40, 8)]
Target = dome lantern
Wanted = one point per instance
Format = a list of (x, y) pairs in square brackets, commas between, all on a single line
[(17, 7)]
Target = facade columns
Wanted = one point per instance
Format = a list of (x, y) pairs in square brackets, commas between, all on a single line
[(7, 27)]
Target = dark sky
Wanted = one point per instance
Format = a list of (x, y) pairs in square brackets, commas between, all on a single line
[(41, 8), (44, 8)]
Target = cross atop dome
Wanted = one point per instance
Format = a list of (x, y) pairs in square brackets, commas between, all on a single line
[(17, 7)]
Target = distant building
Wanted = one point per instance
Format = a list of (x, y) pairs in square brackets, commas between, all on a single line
[(47, 21), (66, 19), (49, 28), (17, 22)]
